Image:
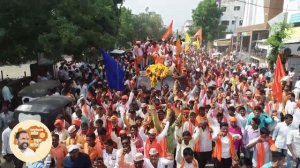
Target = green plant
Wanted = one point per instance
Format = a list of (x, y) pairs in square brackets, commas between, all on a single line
[(279, 31)]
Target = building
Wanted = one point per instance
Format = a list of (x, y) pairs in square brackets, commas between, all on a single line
[(290, 14), (255, 26), (186, 26), (233, 15)]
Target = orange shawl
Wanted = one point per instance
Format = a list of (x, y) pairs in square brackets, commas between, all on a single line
[(85, 109), (261, 152), (217, 153), (195, 163), (149, 145), (163, 144)]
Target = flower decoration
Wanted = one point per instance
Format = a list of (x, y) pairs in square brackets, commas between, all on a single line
[(156, 72)]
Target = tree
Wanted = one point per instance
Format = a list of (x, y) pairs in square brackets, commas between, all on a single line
[(93, 25), (126, 32), (139, 27), (77, 27), (207, 15), (280, 31), (21, 24)]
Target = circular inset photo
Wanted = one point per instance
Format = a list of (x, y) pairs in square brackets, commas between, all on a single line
[(30, 141)]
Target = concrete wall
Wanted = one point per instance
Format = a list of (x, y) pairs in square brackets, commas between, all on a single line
[(233, 15)]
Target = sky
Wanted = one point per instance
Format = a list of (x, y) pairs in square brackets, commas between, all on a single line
[(178, 10)]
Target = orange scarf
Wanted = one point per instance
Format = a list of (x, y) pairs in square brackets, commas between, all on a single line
[(261, 152), (195, 163), (217, 153), (197, 145), (163, 144), (85, 109), (191, 127), (149, 145)]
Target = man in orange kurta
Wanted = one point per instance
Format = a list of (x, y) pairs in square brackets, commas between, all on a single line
[(91, 147), (58, 151)]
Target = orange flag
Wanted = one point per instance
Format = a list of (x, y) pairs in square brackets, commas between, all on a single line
[(178, 59), (198, 35), (278, 75), (178, 47), (168, 32)]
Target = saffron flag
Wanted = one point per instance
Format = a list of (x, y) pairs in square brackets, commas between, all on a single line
[(198, 35), (114, 72), (188, 41), (168, 32), (278, 75), (178, 47)]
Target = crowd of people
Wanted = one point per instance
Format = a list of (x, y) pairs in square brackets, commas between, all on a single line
[(218, 111)]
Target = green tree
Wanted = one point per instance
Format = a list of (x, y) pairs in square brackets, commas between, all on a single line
[(80, 27), (280, 31), (126, 32), (207, 15), (139, 27), (76, 27), (22, 22)]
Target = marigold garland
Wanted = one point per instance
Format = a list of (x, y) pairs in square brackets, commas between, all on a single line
[(156, 72)]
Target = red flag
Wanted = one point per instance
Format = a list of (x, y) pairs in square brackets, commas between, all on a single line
[(168, 32), (278, 75)]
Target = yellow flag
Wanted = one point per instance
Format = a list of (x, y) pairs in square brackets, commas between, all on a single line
[(187, 41), (198, 44)]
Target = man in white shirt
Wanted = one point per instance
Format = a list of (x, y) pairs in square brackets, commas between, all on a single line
[(23, 138), (109, 154), (203, 149), (280, 133), (297, 89), (6, 94), (188, 161), (5, 116), (263, 139), (6, 151), (155, 161), (296, 116), (188, 141), (293, 144), (290, 104), (125, 154)]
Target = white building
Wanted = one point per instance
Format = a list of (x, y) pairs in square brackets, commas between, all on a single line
[(233, 15), (186, 26)]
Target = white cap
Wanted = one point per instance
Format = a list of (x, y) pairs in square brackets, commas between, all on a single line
[(71, 129), (138, 157), (72, 147), (153, 151)]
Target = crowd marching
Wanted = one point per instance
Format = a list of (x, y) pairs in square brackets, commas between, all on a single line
[(219, 111)]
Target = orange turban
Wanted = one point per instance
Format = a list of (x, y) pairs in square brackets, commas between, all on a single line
[(232, 119), (59, 122)]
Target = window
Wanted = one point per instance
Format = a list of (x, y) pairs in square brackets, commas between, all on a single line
[(224, 8), (237, 8), (225, 22), (241, 22), (233, 22)]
